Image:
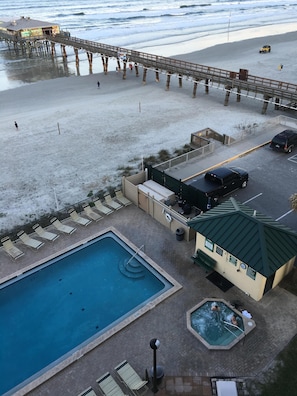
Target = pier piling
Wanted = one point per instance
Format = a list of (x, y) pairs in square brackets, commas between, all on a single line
[(242, 81)]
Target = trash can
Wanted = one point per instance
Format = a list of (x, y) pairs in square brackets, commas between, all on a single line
[(159, 374), (180, 233)]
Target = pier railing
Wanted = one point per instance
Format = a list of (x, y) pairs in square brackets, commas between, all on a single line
[(229, 80)]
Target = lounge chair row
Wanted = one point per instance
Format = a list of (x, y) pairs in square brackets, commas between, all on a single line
[(109, 206), (127, 376), (14, 252), (104, 209)]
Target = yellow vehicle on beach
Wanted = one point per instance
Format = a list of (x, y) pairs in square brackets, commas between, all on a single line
[(265, 49)]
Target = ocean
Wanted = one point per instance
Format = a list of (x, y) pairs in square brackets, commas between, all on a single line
[(134, 24)]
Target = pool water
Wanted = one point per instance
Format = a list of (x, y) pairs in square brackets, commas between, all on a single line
[(61, 305), (215, 326)]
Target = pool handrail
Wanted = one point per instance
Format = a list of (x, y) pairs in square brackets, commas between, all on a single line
[(134, 254), (226, 328), (233, 325)]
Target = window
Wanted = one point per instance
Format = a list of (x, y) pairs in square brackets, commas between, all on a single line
[(232, 260), (251, 273), (219, 251), (208, 244)]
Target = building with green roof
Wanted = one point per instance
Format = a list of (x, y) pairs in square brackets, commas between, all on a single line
[(249, 249)]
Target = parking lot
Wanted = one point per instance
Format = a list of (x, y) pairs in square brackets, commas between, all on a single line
[(272, 174), (272, 180)]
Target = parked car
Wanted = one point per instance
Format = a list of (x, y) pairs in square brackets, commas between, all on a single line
[(284, 141), (265, 49), (220, 181)]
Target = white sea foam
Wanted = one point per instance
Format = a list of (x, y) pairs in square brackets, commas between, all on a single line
[(127, 23)]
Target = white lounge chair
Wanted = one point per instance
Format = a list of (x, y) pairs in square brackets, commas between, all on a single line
[(122, 199), (102, 208), (62, 227), (11, 249), (78, 219), (28, 241), (88, 392), (91, 214), (108, 386), (111, 202), (131, 379), (48, 236)]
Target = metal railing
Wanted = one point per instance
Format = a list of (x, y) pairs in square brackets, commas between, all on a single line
[(186, 157)]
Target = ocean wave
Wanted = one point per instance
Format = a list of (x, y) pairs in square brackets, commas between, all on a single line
[(131, 22), (171, 15), (119, 19), (195, 5)]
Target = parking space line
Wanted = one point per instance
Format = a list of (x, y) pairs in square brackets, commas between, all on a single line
[(256, 196), (293, 159), (284, 215)]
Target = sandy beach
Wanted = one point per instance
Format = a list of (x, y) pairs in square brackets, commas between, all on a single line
[(74, 138)]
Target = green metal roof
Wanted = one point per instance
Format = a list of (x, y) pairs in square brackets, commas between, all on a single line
[(256, 239)]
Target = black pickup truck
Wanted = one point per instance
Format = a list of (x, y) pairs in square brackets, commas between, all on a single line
[(221, 181)]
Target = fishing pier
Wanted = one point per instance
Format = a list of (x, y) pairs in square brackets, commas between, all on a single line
[(281, 94)]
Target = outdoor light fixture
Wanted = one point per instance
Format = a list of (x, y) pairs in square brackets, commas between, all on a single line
[(154, 344)]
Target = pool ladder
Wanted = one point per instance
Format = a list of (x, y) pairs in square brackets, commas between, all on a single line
[(132, 269)]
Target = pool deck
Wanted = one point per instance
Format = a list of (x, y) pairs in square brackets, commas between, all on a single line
[(188, 366)]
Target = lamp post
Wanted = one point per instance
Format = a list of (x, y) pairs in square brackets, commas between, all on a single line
[(154, 344)]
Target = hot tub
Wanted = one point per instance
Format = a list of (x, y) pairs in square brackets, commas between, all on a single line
[(217, 324)]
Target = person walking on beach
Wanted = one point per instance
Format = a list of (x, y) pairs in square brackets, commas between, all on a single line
[(98, 84), (16, 125)]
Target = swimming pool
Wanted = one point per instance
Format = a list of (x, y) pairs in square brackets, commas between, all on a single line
[(56, 310)]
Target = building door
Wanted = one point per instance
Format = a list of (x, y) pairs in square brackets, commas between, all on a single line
[(47, 31)]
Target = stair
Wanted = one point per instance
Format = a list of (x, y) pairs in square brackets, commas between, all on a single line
[(132, 269)]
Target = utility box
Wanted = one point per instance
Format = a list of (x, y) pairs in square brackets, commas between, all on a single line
[(243, 74), (226, 388)]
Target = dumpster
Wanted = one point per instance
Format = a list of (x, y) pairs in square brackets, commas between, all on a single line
[(180, 233)]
